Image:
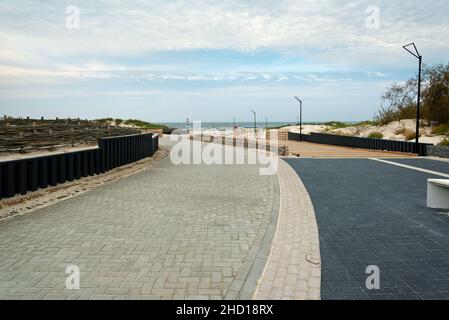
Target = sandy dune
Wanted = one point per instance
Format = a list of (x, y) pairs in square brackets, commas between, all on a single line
[(392, 131)]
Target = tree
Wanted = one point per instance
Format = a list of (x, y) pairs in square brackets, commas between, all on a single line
[(436, 94), (400, 100)]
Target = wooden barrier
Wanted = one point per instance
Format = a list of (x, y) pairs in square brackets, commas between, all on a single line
[(361, 143), (29, 174)]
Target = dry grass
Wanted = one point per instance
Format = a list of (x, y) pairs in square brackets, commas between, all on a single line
[(341, 133), (442, 129), (376, 135), (444, 143), (400, 131), (409, 135)]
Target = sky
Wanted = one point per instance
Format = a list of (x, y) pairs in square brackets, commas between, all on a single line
[(165, 61)]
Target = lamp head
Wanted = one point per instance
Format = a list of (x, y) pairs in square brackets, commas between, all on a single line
[(411, 48), (298, 99)]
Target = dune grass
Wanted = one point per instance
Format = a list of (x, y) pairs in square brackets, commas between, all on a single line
[(442, 129), (376, 135), (444, 143)]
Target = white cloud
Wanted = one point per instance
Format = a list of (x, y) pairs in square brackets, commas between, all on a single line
[(116, 28), (317, 43)]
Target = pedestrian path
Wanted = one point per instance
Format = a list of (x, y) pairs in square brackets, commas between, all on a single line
[(374, 214), (293, 270), (169, 232)]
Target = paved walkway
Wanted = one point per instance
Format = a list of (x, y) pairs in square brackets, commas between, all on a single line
[(293, 270), (213, 232), (313, 150), (170, 232), (441, 166), (373, 213)]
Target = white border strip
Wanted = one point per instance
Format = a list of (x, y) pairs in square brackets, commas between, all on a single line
[(435, 173), (293, 268)]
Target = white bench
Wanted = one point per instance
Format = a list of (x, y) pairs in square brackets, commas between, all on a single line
[(438, 193)]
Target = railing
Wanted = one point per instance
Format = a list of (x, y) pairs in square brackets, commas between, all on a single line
[(30, 174), (362, 143), (27, 135)]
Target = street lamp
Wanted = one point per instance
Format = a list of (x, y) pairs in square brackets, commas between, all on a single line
[(419, 57), (255, 122), (300, 118)]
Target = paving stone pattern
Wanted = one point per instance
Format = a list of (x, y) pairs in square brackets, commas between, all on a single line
[(170, 232), (293, 270), (428, 164), (372, 213)]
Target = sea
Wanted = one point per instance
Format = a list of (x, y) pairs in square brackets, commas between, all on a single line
[(226, 125)]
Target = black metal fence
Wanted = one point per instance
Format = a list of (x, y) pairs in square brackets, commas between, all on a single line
[(362, 143), (30, 174)]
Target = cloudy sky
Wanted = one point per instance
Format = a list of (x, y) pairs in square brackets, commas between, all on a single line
[(211, 60)]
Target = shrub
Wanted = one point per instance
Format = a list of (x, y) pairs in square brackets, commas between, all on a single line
[(444, 143), (366, 123), (167, 130), (400, 100), (337, 124), (441, 129), (409, 135), (341, 133), (400, 131), (376, 135), (144, 124), (104, 121)]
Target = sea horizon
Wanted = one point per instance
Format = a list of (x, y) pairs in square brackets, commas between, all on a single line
[(242, 124)]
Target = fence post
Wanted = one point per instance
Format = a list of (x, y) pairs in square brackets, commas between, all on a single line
[(52, 171), (69, 167), (2, 181), (84, 163), (22, 182), (33, 171), (76, 166), (61, 169), (43, 169), (10, 175), (91, 162)]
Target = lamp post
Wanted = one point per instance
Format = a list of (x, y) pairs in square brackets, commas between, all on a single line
[(255, 122), (419, 57), (300, 118)]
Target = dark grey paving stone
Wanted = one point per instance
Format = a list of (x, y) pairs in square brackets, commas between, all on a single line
[(434, 165), (432, 296), (381, 296), (407, 296), (441, 285), (371, 213), (356, 297)]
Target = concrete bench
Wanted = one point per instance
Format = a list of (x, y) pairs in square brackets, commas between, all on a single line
[(438, 193)]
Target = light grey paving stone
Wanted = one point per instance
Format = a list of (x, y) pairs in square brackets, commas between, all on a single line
[(288, 273), (168, 232)]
